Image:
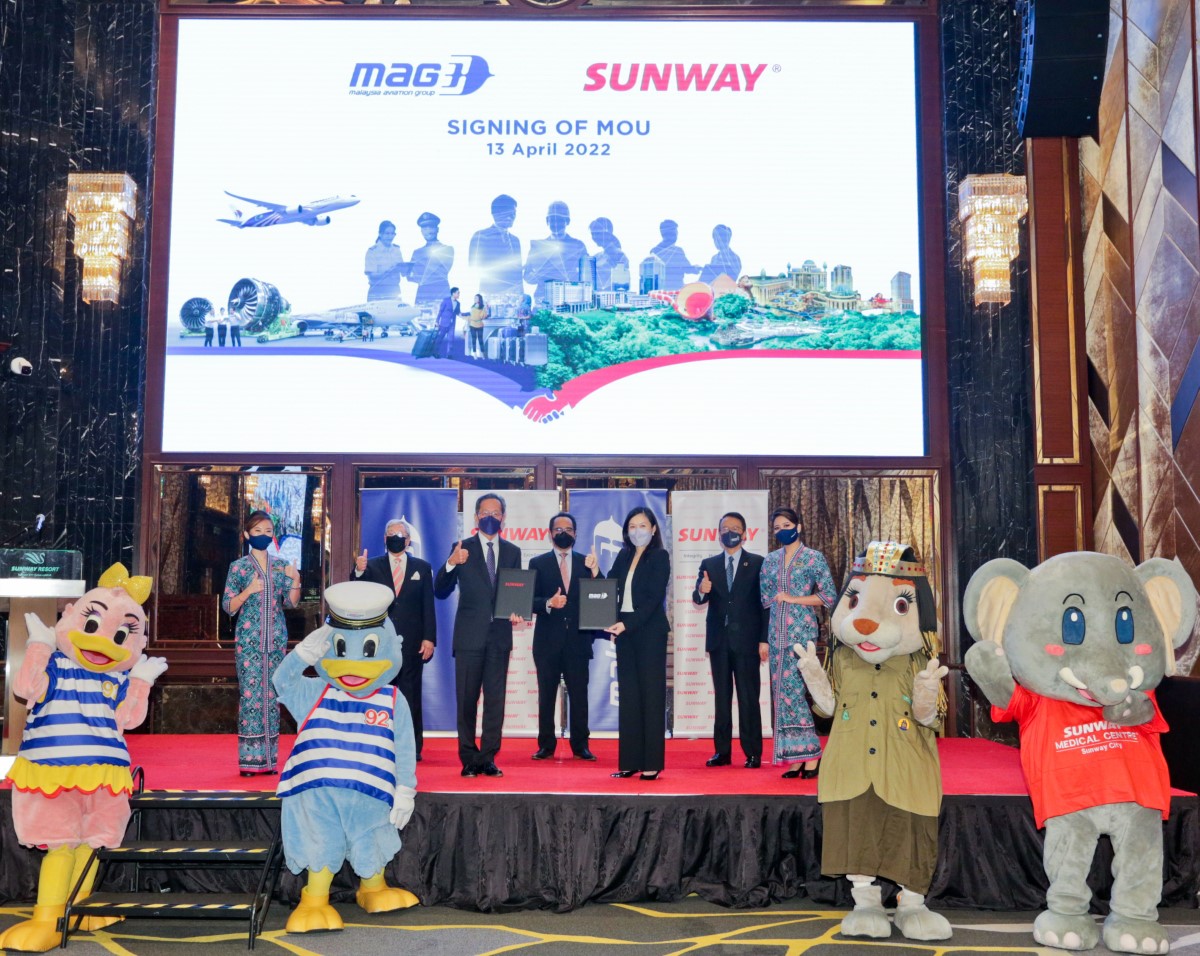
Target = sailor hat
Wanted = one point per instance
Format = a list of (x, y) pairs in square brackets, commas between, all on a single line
[(357, 604)]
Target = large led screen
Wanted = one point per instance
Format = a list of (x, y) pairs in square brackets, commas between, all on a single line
[(689, 238)]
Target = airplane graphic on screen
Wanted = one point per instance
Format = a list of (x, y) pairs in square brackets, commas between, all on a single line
[(311, 214)]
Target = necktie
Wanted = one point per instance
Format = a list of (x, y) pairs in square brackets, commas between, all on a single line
[(729, 572), (491, 561), (397, 580), (562, 570)]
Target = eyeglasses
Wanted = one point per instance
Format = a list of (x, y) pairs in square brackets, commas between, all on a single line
[(491, 514)]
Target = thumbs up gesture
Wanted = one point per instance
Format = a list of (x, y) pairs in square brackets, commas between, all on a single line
[(360, 563), (591, 562), (559, 599), (705, 584), (459, 554)]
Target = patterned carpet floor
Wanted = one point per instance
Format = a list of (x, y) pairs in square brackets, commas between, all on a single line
[(688, 927)]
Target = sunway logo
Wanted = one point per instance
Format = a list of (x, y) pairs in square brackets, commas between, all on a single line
[(525, 534), (709, 534), (684, 77), (461, 75)]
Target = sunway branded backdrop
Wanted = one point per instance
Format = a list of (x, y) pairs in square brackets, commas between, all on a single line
[(784, 151), (695, 515), (600, 515)]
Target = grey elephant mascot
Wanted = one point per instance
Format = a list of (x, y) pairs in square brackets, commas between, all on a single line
[(1072, 650), (881, 784)]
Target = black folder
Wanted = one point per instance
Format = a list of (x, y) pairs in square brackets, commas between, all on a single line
[(597, 603), (514, 593)]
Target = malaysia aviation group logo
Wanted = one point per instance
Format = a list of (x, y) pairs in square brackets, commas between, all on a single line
[(459, 75)]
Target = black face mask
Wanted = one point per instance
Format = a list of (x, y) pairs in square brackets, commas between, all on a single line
[(563, 540), (396, 543), (731, 539)]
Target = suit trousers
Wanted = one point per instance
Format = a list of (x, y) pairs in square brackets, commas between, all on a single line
[(409, 683), (642, 686), (574, 670), (732, 671), (476, 671)]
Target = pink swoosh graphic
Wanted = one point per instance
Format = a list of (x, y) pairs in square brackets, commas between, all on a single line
[(546, 408)]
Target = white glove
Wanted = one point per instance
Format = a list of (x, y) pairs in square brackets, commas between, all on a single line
[(403, 805), (148, 669), (314, 646), (815, 678), (38, 632), (926, 685)]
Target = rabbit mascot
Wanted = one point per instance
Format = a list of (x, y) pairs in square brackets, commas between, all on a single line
[(349, 783), (1072, 650), (880, 787), (85, 682)]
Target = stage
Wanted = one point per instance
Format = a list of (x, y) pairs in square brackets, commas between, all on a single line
[(559, 833)]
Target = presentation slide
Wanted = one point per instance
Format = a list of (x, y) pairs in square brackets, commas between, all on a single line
[(614, 238)]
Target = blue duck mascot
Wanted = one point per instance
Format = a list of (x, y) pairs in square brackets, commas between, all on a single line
[(349, 784)]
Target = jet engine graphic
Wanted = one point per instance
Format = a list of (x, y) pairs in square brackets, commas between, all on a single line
[(257, 303), (192, 313)]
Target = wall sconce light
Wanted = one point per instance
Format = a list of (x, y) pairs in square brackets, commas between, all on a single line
[(989, 207), (104, 205)]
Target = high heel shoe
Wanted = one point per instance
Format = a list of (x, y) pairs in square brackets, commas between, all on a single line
[(652, 775), (807, 774), (624, 774), (791, 774)]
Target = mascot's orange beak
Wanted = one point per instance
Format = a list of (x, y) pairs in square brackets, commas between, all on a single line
[(352, 675), (95, 652)]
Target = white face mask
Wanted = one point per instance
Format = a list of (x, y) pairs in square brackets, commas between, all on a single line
[(640, 536)]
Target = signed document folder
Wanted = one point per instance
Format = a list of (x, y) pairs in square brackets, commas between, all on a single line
[(597, 603), (514, 593)]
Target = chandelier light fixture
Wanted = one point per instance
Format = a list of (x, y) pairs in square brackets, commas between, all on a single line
[(103, 205), (989, 207)]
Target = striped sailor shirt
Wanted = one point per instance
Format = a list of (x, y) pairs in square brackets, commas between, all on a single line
[(74, 724), (346, 742)]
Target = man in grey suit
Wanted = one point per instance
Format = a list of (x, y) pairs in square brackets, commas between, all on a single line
[(481, 645), (735, 639), (411, 580)]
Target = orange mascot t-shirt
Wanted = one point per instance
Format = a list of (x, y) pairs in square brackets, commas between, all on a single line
[(1074, 759)]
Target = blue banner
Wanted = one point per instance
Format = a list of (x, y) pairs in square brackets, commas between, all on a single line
[(600, 513), (433, 524)]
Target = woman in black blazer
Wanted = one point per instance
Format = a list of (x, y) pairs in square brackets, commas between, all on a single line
[(642, 571)]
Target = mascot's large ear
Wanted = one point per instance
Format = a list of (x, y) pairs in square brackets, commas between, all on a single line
[(1173, 597), (991, 594)]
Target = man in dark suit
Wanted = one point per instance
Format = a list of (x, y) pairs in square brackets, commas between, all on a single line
[(560, 649), (735, 639), (481, 645), (411, 580)]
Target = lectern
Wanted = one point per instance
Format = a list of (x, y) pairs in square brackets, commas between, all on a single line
[(31, 579)]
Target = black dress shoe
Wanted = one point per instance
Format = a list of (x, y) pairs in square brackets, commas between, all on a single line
[(543, 754), (585, 754), (718, 760), (469, 772), (651, 775), (623, 774), (791, 774), (491, 770), (418, 758), (807, 774), (753, 763)]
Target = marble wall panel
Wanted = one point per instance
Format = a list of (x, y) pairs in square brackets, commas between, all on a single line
[(77, 78), (1148, 462)]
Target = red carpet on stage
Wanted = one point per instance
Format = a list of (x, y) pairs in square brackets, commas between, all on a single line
[(209, 762)]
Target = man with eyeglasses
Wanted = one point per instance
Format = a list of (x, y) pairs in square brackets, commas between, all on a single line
[(481, 646)]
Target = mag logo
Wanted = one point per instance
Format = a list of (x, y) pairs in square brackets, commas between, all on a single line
[(459, 75)]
